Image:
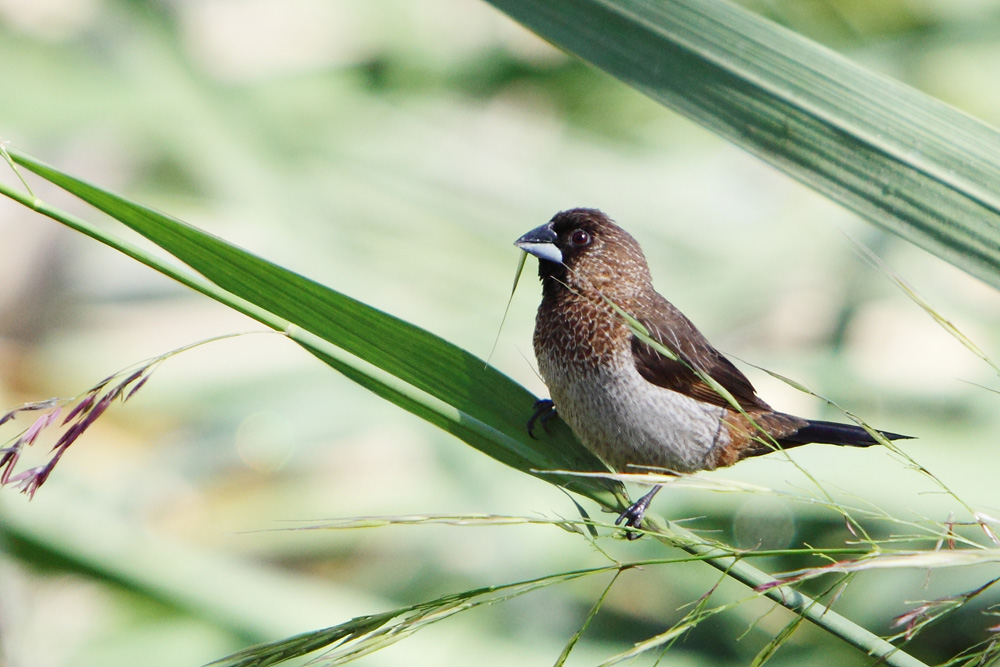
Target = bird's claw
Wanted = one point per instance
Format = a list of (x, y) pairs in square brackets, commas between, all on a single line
[(633, 515), (544, 410), (632, 518)]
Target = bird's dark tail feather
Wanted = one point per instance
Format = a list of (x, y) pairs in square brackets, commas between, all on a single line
[(833, 433)]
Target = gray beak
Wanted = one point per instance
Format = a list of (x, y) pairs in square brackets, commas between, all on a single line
[(541, 242)]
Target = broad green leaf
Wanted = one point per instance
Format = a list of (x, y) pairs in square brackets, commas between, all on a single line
[(417, 370), (898, 157)]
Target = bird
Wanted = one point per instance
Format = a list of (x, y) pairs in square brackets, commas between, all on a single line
[(633, 378)]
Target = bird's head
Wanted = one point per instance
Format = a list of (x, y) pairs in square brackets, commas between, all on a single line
[(582, 248)]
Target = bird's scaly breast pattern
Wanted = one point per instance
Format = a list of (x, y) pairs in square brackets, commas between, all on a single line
[(618, 415)]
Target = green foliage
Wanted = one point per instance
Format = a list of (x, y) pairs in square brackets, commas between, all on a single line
[(905, 161), (238, 278)]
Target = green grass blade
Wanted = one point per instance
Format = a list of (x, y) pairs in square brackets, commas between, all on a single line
[(440, 382), (367, 634), (902, 159), (564, 656)]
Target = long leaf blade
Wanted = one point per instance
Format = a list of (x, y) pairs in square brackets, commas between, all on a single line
[(420, 359), (898, 157)]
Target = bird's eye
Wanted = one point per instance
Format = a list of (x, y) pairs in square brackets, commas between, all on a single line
[(580, 238)]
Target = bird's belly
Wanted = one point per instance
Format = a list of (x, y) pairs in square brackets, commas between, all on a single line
[(630, 422)]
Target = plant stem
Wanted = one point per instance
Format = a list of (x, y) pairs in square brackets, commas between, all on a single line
[(786, 596)]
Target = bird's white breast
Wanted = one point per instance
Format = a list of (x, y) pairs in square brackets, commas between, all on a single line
[(628, 421)]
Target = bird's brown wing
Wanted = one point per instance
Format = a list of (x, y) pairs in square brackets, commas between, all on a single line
[(669, 327)]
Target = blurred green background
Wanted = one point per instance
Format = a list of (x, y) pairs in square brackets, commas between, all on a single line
[(394, 150)]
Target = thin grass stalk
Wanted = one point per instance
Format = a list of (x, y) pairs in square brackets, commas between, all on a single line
[(816, 612)]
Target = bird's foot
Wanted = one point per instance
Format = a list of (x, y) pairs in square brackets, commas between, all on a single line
[(544, 410), (636, 512)]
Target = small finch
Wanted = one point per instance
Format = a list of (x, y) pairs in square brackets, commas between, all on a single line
[(626, 401)]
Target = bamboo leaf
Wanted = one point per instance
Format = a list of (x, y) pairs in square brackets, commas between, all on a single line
[(403, 363), (901, 159)]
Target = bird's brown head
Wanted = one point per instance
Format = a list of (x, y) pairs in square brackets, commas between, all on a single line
[(582, 249)]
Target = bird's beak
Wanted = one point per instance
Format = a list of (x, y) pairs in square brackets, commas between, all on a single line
[(541, 242)]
